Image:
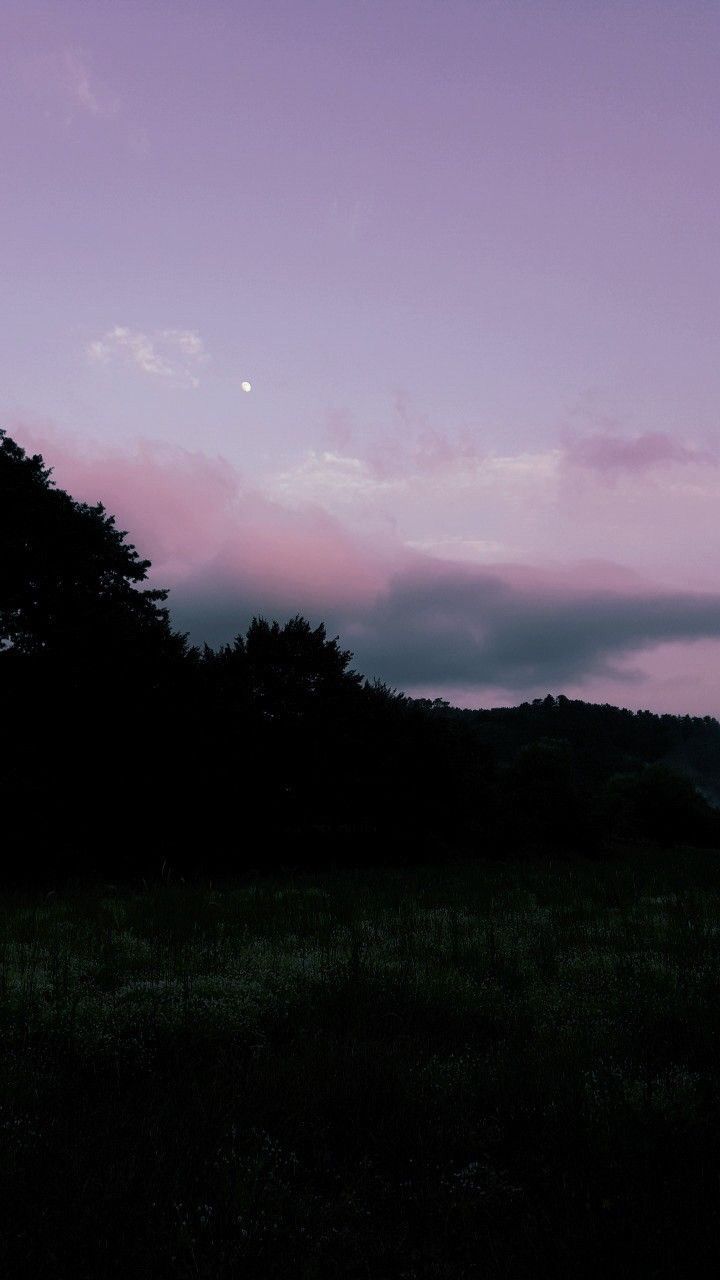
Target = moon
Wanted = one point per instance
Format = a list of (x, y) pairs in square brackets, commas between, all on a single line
[(246, 386)]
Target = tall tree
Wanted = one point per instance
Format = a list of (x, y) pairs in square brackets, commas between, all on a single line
[(69, 581)]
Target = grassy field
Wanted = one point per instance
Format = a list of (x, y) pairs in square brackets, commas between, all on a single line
[(492, 1070)]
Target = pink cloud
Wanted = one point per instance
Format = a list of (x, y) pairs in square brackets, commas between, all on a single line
[(611, 454), (199, 521), (175, 503)]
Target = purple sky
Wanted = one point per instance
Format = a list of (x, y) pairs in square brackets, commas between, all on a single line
[(466, 253)]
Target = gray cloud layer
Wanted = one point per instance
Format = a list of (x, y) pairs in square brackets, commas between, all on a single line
[(472, 628)]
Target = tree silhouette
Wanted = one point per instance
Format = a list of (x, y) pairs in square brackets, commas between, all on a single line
[(91, 681), (292, 667), (68, 579)]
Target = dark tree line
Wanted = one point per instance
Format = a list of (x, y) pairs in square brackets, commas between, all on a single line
[(125, 749)]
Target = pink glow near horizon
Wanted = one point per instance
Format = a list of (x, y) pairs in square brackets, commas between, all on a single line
[(467, 257)]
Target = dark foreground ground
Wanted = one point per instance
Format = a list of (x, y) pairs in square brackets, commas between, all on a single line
[(487, 1071)]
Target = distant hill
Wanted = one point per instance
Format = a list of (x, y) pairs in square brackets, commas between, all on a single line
[(604, 738)]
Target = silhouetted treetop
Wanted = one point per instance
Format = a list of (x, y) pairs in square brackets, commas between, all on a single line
[(68, 579), (284, 669), (296, 656)]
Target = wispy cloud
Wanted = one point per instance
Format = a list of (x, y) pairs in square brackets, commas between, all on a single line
[(73, 94), (85, 90), (646, 498), (173, 354), (457, 479), (65, 80), (457, 548)]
